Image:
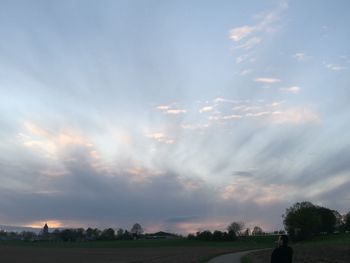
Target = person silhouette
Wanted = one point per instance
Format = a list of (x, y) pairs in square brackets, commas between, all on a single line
[(282, 253)]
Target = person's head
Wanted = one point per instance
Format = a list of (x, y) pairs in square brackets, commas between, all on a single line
[(282, 240)]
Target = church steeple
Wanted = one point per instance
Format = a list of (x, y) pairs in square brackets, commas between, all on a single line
[(45, 229)]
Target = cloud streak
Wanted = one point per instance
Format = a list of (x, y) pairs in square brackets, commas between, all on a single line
[(267, 80)]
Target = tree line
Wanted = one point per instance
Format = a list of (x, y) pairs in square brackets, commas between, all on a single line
[(303, 220), (75, 234)]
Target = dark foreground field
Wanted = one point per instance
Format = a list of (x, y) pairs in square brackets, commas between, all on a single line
[(128, 251), (98, 255), (333, 249)]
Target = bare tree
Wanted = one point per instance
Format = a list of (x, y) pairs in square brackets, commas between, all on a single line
[(136, 229), (236, 227), (257, 230)]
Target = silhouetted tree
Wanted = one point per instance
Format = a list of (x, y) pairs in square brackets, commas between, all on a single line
[(136, 230), (347, 222), (27, 235), (257, 230), (92, 234), (338, 220), (235, 227), (218, 235), (303, 220), (108, 234), (120, 233), (205, 235), (246, 232)]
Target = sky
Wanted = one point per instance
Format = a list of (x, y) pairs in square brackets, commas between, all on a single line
[(179, 115)]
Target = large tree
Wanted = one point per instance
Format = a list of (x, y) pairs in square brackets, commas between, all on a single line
[(236, 228), (303, 220), (136, 230), (347, 222), (257, 230)]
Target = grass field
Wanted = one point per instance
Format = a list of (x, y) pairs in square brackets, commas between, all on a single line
[(148, 251), (326, 249), (254, 242)]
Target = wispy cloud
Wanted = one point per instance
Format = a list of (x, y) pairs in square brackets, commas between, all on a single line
[(299, 56), (168, 109), (160, 137), (163, 107), (298, 115), (190, 126), (238, 33), (267, 80), (206, 109), (176, 111), (266, 24), (250, 43), (245, 72), (293, 89), (220, 99), (225, 118), (258, 114), (335, 67)]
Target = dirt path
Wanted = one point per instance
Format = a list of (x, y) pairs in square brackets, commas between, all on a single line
[(232, 257)]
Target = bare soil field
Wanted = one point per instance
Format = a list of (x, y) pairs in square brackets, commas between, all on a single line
[(10, 254), (325, 253)]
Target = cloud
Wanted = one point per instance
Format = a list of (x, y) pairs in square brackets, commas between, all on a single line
[(163, 107), (206, 109), (195, 126), (54, 173), (40, 224), (176, 111), (225, 118), (220, 99), (243, 173), (298, 115), (239, 33), (266, 24), (51, 144), (335, 67), (245, 188), (266, 80), (250, 43), (293, 89), (299, 56), (170, 110), (258, 114), (245, 72), (141, 174), (160, 137)]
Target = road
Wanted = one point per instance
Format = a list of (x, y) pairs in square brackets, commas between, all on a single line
[(232, 257)]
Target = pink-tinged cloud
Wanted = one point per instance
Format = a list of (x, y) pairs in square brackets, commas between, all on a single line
[(250, 43), (266, 80), (163, 107), (295, 116), (51, 143), (206, 109), (190, 126), (54, 173), (299, 56), (176, 111), (225, 118), (293, 90), (142, 174), (238, 33), (160, 137), (40, 224), (249, 190), (335, 67), (258, 114)]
